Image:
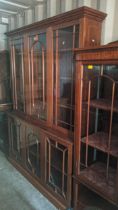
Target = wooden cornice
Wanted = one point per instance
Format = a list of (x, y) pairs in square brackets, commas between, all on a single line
[(104, 52), (61, 18)]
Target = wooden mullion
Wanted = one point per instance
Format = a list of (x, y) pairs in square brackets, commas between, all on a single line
[(57, 78), (49, 75), (78, 116), (27, 75)]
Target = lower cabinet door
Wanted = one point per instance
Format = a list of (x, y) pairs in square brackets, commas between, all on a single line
[(16, 139), (47, 158), (33, 150), (59, 167)]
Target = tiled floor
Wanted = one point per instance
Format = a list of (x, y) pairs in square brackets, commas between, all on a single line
[(16, 193)]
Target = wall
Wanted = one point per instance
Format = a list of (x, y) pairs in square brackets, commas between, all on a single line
[(53, 7), (3, 40)]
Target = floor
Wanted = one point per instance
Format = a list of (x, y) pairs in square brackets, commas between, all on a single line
[(16, 193)]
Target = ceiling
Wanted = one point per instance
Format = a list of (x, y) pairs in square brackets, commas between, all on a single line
[(9, 7)]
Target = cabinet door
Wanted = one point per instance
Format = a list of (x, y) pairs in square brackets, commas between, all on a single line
[(16, 140), (33, 150), (17, 57), (65, 40), (38, 76), (58, 167)]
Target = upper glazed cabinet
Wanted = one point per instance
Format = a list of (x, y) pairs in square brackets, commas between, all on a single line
[(43, 71)]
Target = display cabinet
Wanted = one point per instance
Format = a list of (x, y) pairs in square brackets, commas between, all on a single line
[(96, 136), (43, 81)]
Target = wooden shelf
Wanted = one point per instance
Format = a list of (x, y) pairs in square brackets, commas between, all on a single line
[(67, 106), (94, 177), (68, 49), (99, 141), (104, 104), (88, 199)]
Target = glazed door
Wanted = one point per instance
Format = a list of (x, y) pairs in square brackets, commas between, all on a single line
[(33, 151), (65, 41), (16, 140), (59, 167), (17, 60), (38, 76)]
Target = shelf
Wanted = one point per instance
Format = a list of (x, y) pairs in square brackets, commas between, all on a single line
[(99, 141), (104, 104), (67, 78), (66, 106), (95, 178), (88, 199), (67, 49)]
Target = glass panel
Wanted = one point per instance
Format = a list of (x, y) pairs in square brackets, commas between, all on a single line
[(65, 37), (33, 153), (38, 68), (64, 76), (57, 167)]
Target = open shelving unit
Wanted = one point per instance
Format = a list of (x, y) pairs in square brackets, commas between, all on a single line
[(97, 140)]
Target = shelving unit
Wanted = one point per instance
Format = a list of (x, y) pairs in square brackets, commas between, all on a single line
[(96, 137)]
